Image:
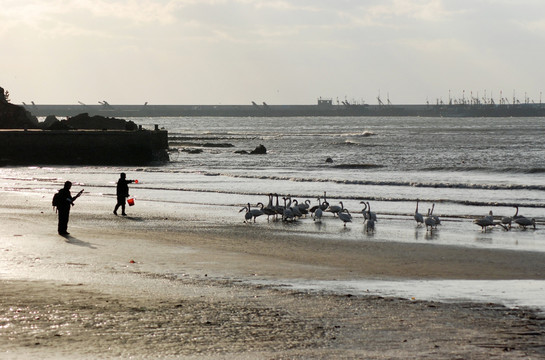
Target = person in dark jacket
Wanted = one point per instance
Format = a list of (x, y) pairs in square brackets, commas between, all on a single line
[(64, 203), (122, 193)]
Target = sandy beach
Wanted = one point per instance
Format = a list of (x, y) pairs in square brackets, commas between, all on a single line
[(161, 284)]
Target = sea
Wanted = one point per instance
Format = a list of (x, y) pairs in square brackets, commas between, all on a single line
[(463, 168)]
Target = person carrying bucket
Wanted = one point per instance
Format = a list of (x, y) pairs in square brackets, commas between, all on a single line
[(122, 192)]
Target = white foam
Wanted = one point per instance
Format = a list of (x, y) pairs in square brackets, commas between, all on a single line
[(510, 293)]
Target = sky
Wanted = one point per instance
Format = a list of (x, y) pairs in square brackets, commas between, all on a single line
[(273, 51)]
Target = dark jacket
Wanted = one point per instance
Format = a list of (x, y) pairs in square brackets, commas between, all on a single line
[(123, 187), (65, 200)]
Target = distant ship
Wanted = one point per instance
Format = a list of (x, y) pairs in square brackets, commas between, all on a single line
[(324, 107)]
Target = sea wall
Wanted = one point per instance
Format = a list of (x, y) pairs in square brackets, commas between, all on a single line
[(83, 147)]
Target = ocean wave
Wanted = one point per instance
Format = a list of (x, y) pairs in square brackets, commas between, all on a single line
[(357, 166), (397, 183), (185, 137), (359, 134), (433, 185), (505, 170), (355, 143), (203, 144), (535, 171)]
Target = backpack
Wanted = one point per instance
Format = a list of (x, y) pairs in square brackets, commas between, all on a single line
[(56, 199)]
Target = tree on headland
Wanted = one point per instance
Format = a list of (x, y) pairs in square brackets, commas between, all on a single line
[(14, 116), (4, 95)]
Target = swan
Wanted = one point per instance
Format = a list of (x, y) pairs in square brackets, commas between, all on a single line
[(287, 213), (318, 214), (317, 211), (486, 221), (371, 214), (269, 210), (254, 213), (304, 207), (430, 221), (313, 209), (418, 216), (335, 209), (295, 209), (370, 225), (277, 208), (247, 215), (251, 213), (435, 217), (325, 203), (523, 222), (364, 211), (345, 216), (516, 216), (508, 220)]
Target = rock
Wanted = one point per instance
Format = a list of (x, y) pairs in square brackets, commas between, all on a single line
[(218, 145), (86, 122), (57, 125), (52, 123), (49, 120), (14, 116), (97, 122), (192, 151), (259, 150)]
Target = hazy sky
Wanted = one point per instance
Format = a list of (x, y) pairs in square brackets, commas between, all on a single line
[(278, 51)]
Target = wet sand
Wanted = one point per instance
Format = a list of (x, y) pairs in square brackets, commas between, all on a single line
[(162, 284)]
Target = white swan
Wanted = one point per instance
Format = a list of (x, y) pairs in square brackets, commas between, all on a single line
[(523, 222), (371, 215), (317, 210), (304, 207), (318, 214), (418, 216), (430, 222), (287, 213), (277, 208), (252, 213), (345, 216), (247, 214), (269, 210), (295, 209), (325, 203), (364, 211), (370, 225), (256, 212), (485, 221), (313, 209), (508, 220), (335, 209), (435, 217)]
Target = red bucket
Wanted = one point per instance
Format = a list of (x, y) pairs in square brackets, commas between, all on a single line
[(130, 201)]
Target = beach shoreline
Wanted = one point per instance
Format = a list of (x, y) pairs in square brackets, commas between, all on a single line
[(162, 284)]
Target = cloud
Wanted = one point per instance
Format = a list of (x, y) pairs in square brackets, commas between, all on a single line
[(536, 27), (137, 11), (426, 10), (338, 47), (29, 12)]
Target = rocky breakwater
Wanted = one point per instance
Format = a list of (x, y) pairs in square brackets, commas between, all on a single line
[(79, 140)]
